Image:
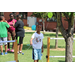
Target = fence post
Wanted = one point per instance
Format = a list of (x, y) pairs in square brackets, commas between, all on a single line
[(15, 51), (48, 48)]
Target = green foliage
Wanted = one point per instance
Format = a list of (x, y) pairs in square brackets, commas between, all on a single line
[(40, 14), (45, 14), (68, 14)]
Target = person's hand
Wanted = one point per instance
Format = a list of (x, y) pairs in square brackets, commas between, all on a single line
[(30, 43), (10, 27), (42, 50), (13, 22)]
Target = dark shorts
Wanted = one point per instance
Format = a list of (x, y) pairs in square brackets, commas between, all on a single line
[(11, 33), (19, 40)]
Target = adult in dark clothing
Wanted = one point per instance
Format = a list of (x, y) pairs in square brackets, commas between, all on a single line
[(19, 32)]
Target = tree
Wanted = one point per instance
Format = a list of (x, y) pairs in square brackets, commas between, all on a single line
[(68, 35), (42, 15)]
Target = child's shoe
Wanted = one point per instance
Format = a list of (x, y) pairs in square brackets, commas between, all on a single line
[(12, 50), (2, 53), (8, 49), (20, 52), (6, 53)]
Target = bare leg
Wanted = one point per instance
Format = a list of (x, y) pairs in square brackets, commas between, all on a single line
[(1, 49), (5, 48), (13, 38), (18, 47), (35, 60), (9, 45), (13, 45), (21, 47), (9, 38)]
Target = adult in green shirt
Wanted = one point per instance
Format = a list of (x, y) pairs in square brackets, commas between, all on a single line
[(3, 33)]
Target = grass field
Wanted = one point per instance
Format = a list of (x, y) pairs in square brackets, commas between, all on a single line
[(27, 57)]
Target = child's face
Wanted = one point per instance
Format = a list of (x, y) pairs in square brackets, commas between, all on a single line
[(38, 28)]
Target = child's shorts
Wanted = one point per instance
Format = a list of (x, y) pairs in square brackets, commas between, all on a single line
[(3, 39), (36, 54)]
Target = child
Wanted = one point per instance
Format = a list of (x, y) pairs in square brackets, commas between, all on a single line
[(3, 33), (19, 32), (37, 43)]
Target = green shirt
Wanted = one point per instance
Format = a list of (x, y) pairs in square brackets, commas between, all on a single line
[(3, 29)]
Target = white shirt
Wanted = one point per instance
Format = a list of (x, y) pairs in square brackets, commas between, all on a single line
[(37, 40)]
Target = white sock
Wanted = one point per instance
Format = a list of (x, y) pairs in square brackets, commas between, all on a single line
[(20, 51)]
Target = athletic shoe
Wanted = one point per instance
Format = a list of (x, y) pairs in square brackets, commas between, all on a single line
[(17, 52), (8, 49), (20, 52), (6, 53), (2, 53), (12, 50)]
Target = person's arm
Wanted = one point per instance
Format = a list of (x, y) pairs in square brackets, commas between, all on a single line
[(42, 44), (31, 41), (7, 23), (14, 24)]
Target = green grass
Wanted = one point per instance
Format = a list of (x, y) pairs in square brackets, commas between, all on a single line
[(27, 57)]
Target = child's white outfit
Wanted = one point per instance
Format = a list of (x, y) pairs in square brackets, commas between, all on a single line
[(37, 45)]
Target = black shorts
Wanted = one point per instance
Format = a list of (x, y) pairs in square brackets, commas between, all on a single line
[(19, 40)]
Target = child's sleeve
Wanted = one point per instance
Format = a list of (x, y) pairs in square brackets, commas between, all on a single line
[(33, 36), (42, 36)]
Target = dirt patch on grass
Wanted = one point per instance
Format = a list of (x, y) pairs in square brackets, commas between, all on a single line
[(58, 49)]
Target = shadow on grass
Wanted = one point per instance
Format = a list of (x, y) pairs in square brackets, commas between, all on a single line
[(61, 61), (29, 32), (52, 46), (25, 47)]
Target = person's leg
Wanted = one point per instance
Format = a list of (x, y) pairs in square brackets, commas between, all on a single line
[(1, 45), (9, 38), (1, 49), (35, 60), (5, 39), (21, 44), (21, 47), (5, 48), (18, 48), (18, 43), (39, 54), (35, 55), (13, 38)]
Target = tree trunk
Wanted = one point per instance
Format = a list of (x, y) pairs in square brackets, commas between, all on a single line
[(56, 41), (68, 35), (69, 48), (43, 26), (69, 39)]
